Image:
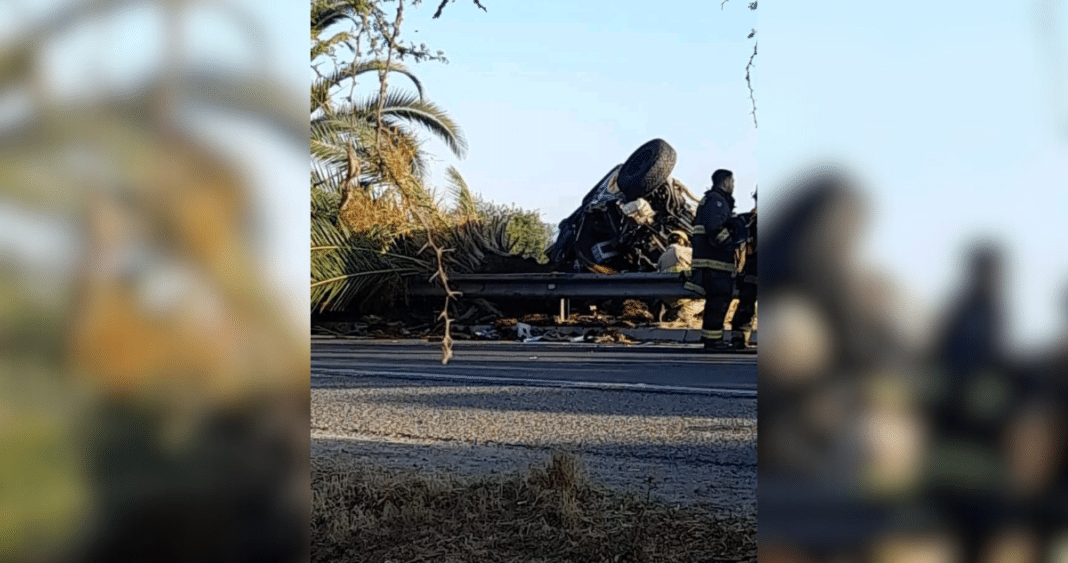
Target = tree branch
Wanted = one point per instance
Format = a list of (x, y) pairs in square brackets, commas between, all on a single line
[(748, 67), (749, 83), (383, 73), (441, 7), (388, 168)]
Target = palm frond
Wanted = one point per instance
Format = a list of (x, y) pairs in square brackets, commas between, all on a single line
[(326, 13), (351, 269), (324, 204), (461, 193), (399, 108), (322, 87), (321, 47), (403, 106)]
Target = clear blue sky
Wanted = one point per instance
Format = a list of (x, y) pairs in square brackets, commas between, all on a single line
[(956, 114)]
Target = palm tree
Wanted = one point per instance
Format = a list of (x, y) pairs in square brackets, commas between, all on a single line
[(372, 216), (350, 267), (348, 131), (368, 165), (345, 129)]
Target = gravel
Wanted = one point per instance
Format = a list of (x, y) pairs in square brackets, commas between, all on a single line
[(681, 448)]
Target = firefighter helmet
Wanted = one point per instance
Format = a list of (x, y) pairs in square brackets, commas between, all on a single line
[(677, 236)]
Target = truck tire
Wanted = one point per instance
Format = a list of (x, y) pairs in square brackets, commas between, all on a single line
[(646, 169)]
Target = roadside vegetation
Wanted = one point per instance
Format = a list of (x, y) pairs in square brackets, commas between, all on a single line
[(551, 513), (377, 220)]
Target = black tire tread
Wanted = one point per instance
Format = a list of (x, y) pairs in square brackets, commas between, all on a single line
[(646, 169)]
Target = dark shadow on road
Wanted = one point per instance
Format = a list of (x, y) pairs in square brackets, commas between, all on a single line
[(452, 395)]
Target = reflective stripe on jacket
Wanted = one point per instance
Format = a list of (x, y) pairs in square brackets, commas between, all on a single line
[(711, 240)]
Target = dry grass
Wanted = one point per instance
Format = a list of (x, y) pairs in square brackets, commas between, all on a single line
[(636, 311), (551, 514), (364, 214)]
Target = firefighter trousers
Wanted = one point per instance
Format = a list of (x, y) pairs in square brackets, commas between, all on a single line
[(746, 287), (717, 287)]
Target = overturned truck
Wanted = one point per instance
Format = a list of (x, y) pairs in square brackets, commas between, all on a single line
[(623, 223)]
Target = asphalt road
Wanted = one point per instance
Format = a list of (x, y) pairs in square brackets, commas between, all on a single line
[(668, 421), (667, 367)]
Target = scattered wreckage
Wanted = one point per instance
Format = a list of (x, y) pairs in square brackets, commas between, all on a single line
[(482, 321)]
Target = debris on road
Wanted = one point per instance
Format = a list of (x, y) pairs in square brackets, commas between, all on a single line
[(636, 311), (487, 334), (598, 326), (522, 331)]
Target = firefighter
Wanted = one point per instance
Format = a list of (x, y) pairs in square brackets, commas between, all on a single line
[(678, 255), (717, 233), (745, 286)]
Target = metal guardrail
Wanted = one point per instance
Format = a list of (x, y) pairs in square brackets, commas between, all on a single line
[(563, 286)]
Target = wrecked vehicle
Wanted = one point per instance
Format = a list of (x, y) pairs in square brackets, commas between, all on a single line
[(624, 222)]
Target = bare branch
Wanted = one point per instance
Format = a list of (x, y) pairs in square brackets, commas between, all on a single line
[(390, 32), (752, 5), (441, 7), (383, 73), (749, 83)]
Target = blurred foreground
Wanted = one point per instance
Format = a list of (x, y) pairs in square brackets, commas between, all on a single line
[(877, 444), (153, 384)]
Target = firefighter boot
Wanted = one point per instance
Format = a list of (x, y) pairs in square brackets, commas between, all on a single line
[(741, 338), (714, 344)]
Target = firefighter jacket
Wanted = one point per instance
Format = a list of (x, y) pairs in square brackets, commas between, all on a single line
[(712, 244)]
